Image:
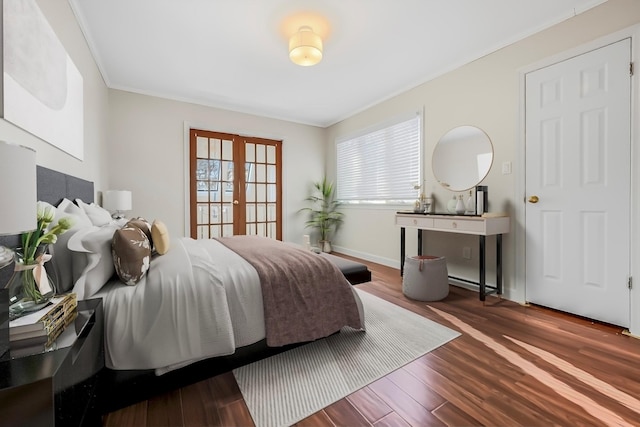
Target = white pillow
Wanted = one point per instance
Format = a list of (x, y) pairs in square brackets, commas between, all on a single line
[(66, 208), (61, 259), (97, 214), (78, 252), (91, 250)]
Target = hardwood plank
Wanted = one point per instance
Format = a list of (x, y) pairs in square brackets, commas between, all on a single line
[(226, 390), (199, 405), (319, 419), (401, 403), (563, 412), (418, 390), (369, 404), (165, 410), (134, 415), (626, 368), (342, 413), (451, 415), (392, 420), (236, 414)]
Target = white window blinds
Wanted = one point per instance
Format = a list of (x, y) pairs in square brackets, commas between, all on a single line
[(380, 165)]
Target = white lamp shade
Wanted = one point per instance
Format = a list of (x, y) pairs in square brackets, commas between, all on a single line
[(117, 200), (18, 189), (305, 47)]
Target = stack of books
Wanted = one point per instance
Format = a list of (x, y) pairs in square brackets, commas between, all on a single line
[(37, 332)]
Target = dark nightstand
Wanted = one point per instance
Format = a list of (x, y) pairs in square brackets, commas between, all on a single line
[(57, 387)]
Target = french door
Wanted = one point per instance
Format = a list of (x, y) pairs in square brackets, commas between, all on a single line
[(235, 185)]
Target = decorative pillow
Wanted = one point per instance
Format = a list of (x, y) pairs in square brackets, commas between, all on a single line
[(131, 254), (143, 225), (92, 259), (97, 214), (62, 261), (160, 237)]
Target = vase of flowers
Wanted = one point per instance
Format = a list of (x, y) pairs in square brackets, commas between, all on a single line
[(30, 287)]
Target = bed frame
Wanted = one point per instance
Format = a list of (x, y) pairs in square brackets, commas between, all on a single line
[(355, 272), (117, 388)]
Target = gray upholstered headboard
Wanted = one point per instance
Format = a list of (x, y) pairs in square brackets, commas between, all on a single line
[(53, 186)]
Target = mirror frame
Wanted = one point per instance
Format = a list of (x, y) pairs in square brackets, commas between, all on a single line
[(462, 155)]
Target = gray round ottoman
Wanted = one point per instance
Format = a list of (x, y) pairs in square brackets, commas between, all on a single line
[(425, 278)]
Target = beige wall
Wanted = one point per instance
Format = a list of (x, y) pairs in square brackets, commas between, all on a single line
[(147, 155), (63, 22), (485, 93)]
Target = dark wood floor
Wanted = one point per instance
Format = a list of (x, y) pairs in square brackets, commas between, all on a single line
[(513, 365)]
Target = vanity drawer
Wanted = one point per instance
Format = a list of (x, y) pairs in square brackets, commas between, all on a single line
[(418, 221), (460, 225)]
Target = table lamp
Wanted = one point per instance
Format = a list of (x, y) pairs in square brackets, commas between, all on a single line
[(18, 214), (117, 201)]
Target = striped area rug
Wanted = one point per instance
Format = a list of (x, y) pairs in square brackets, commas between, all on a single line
[(283, 389)]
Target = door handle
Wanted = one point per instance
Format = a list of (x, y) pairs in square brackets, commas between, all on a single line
[(533, 199), (235, 202)]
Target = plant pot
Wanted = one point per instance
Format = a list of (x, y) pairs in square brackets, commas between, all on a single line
[(326, 246)]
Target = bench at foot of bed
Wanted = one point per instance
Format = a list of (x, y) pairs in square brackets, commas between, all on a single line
[(355, 272)]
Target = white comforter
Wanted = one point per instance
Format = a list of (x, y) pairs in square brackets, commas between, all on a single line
[(198, 300)]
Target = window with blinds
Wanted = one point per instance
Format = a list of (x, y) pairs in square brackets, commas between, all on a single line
[(381, 164)]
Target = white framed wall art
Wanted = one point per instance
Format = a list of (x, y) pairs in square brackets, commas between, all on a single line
[(42, 88)]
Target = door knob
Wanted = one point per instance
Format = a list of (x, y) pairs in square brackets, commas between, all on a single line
[(235, 202), (533, 199)]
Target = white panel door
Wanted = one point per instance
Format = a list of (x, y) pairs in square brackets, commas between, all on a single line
[(578, 154)]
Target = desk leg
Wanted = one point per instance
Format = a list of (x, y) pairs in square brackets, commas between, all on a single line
[(419, 242), (402, 239), (482, 267), (499, 263)]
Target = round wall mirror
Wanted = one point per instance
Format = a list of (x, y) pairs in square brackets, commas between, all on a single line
[(462, 158)]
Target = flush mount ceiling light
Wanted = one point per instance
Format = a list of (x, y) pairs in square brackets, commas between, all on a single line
[(305, 47)]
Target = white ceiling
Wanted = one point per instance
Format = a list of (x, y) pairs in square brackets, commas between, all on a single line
[(233, 54)]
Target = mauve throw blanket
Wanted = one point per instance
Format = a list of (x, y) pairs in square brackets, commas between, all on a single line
[(305, 296)]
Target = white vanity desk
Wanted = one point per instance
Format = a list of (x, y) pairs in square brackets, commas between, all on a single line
[(477, 225)]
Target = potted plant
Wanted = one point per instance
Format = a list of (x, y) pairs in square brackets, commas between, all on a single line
[(324, 214)]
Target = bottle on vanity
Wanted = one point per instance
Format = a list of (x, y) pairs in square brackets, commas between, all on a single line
[(460, 206), (471, 204), (451, 205)]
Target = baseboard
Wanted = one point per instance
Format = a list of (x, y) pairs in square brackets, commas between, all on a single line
[(464, 285), (629, 334), (367, 257)]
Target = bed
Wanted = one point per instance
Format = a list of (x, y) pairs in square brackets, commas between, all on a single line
[(201, 308), (206, 298)]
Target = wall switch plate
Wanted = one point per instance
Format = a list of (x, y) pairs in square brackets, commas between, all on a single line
[(506, 168), (466, 252)]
